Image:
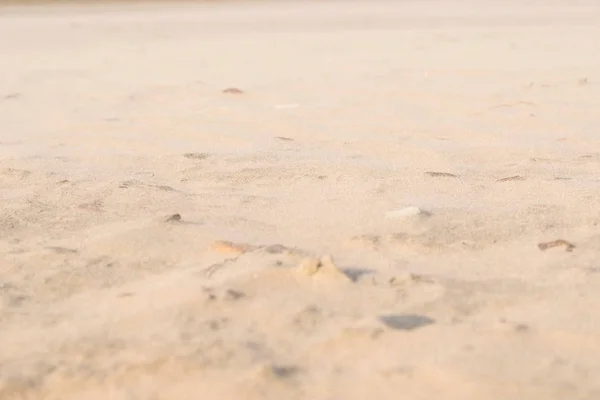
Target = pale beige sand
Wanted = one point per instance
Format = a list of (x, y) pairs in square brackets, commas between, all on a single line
[(112, 118)]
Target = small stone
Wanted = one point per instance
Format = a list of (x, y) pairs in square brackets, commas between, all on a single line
[(406, 322), (278, 249), (406, 213), (278, 371), (173, 218), (233, 90)]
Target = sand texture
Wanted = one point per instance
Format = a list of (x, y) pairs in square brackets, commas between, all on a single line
[(300, 200)]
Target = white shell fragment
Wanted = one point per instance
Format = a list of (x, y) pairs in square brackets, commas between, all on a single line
[(406, 212)]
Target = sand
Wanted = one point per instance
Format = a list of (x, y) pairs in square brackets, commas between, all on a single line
[(300, 200)]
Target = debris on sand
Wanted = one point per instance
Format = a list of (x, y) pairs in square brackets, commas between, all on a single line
[(196, 156), (406, 322), (441, 174), (557, 243), (511, 178), (233, 90), (173, 218), (407, 212)]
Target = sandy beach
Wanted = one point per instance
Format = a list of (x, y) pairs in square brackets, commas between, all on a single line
[(336, 200)]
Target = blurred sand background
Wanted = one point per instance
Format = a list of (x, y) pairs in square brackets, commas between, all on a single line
[(360, 219)]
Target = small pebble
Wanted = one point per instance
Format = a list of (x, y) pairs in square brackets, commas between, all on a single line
[(406, 322), (173, 218), (406, 212), (233, 90)]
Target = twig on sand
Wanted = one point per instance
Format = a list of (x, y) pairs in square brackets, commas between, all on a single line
[(511, 178)]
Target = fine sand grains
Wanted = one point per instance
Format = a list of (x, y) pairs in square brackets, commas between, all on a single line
[(317, 200)]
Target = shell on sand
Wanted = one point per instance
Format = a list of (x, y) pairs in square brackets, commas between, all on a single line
[(406, 212)]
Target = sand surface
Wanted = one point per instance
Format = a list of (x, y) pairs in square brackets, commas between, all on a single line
[(359, 217)]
